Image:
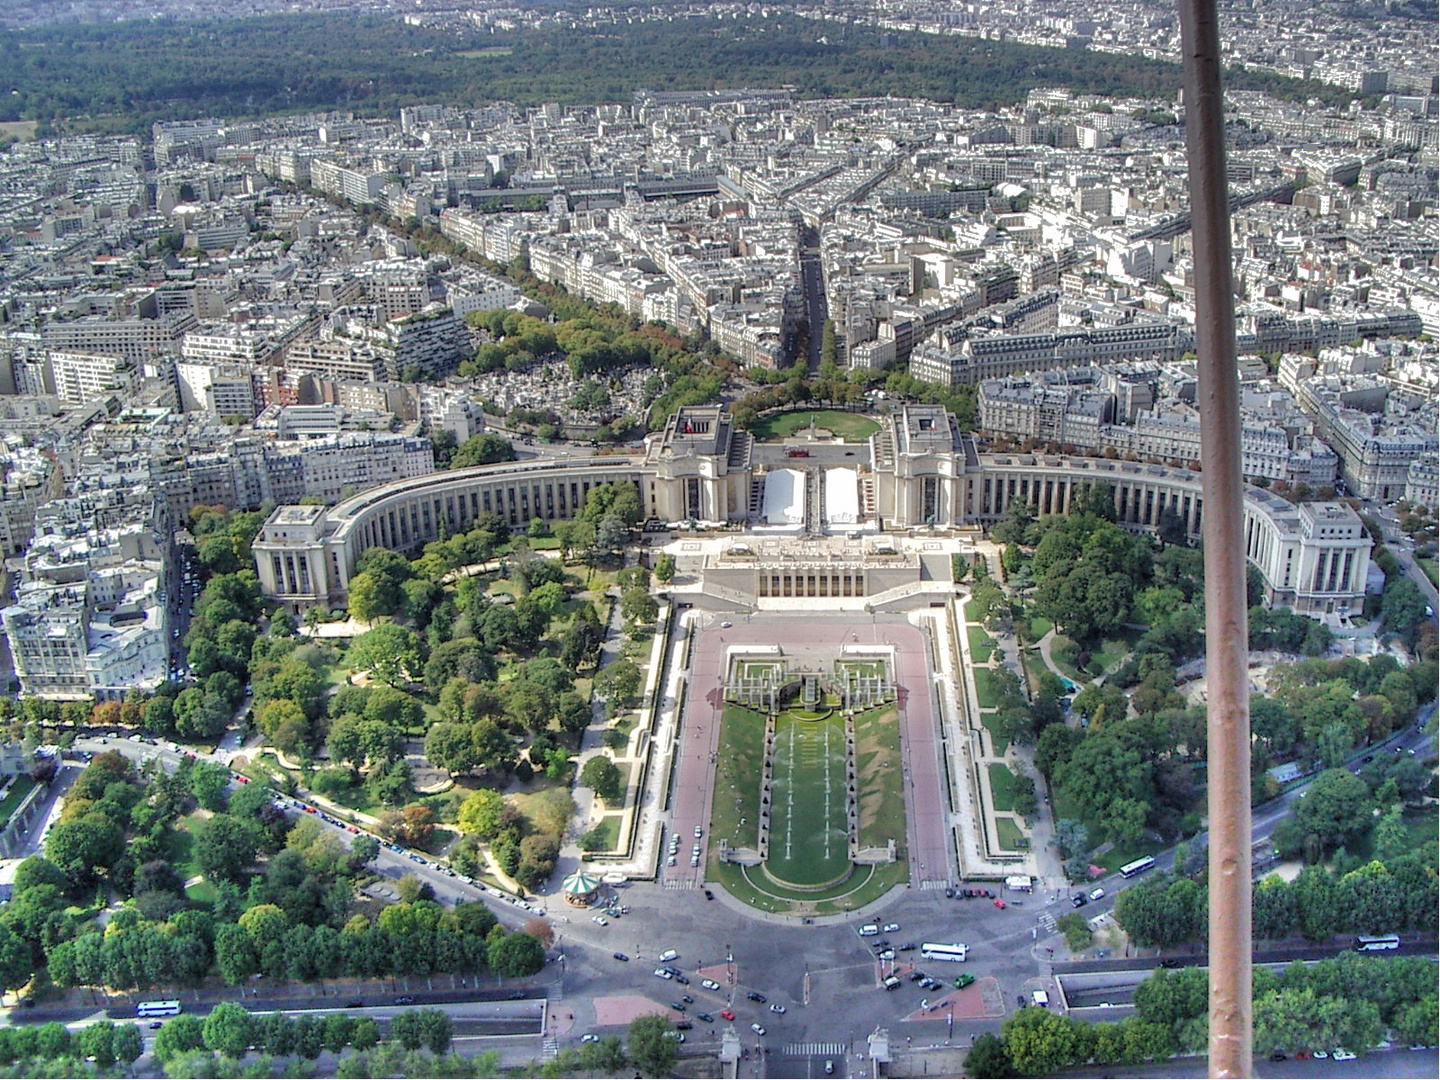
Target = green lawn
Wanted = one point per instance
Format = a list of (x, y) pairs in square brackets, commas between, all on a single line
[(19, 788), (1010, 835), (868, 883), (974, 613), (807, 817), (992, 725), (1039, 627), (852, 427), (737, 778), (1002, 787), (1103, 657), (609, 828), (987, 693), (1431, 568), (881, 794), (981, 644)]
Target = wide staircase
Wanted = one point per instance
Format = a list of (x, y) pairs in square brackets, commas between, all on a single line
[(814, 502)]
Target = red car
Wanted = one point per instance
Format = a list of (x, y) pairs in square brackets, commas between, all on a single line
[(726, 1014), (1000, 903), (352, 828)]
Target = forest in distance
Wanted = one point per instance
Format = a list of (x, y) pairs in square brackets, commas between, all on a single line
[(124, 76)]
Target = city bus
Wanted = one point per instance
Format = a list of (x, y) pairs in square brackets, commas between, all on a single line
[(1377, 942), (158, 1008), (1139, 866), (933, 951)]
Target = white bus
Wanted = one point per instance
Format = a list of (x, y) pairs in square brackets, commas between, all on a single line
[(933, 951), (158, 1008), (1377, 942), (1139, 866)]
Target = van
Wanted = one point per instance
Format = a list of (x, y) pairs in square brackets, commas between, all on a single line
[(668, 955), (869, 930), (1040, 997), (1097, 894), (892, 983)]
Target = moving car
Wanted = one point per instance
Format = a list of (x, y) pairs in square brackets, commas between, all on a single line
[(778, 1009), (755, 996), (757, 1029), (661, 973), (709, 984), (726, 1014), (600, 920), (622, 956), (589, 1037)]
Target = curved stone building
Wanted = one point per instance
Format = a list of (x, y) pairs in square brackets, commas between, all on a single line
[(819, 499)]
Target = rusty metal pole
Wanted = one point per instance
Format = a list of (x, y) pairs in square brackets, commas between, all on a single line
[(1226, 647)]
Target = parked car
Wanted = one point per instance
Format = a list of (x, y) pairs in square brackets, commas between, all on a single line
[(622, 957)]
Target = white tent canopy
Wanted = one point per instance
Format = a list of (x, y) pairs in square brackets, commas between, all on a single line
[(842, 496), (785, 497)]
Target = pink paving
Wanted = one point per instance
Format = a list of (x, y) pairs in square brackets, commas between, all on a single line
[(620, 1010), (926, 816)]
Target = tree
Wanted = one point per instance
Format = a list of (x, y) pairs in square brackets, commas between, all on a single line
[(481, 813), (989, 1058), (126, 1044), (225, 847), (483, 449), (210, 784), (1402, 606), (235, 954), (179, 1035), (638, 607), (229, 1029), (363, 850), (391, 653), (1040, 1042), (516, 955), (407, 1029), (651, 1043), (611, 533), (1336, 807), (665, 569), (619, 681), (604, 776), (17, 961), (436, 1029)]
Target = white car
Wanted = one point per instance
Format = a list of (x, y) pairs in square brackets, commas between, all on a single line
[(668, 955), (661, 973), (778, 1009), (890, 928), (600, 920), (1341, 1054), (709, 984), (589, 1037), (699, 832), (757, 1029)]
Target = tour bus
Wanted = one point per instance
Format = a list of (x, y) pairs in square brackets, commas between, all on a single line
[(1377, 942), (1139, 866), (933, 951), (158, 1008)]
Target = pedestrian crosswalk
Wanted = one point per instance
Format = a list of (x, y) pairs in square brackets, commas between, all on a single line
[(680, 883), (934, 884), (817, 1049), (550, 1049)]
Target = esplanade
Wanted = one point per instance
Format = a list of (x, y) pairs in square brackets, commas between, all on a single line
[(919, 472)]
